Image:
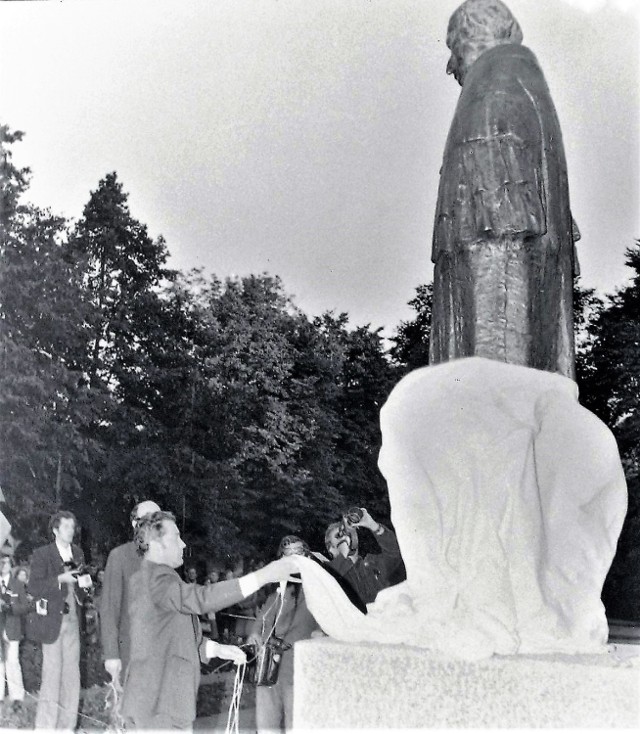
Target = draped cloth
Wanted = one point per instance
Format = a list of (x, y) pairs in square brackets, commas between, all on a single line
[(507, 498), (504, 199)]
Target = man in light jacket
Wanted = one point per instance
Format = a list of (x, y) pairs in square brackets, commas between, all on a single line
[(161, 683)]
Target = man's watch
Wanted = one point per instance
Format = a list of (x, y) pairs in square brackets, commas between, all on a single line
[(379, 530)]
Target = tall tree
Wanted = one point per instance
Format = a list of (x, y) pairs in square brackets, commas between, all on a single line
[(123, 271), (411, 343), (611, 388), (124, 266), (43, 339)]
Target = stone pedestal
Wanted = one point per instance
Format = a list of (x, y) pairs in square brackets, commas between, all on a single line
[(340, 685)]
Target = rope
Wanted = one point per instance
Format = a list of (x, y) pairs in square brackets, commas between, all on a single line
[(113, 703), (233, 717), (280, 597)]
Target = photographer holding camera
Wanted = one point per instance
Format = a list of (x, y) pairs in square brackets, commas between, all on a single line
[(14, 604), (58, 584), (274, 698), (376, 571)]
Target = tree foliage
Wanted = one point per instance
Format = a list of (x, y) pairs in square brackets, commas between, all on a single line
[(610, 387), (411, 343), (125, 380), (42, 335)]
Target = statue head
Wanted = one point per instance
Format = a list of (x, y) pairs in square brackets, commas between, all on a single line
[(475, 27)]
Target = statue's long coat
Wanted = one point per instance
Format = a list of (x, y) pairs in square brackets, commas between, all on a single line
[(504, 178)]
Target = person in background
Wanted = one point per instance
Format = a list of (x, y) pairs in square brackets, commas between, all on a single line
[(274, 704), (245, 612), (227, 618), (58, 589), (213, 577), (22, 574), (191, 574), (167, 646), (209, 622), (376, 571), (14, 606), (122, 563)]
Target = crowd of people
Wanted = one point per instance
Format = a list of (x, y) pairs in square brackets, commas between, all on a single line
[(157, 629)]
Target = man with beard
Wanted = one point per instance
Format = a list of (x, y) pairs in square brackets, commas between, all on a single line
[(376, 571)]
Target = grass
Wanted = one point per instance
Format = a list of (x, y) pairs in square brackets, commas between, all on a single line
[(94, 714)]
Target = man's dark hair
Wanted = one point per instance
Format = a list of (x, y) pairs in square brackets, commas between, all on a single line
[(149, 528), (54, 520)]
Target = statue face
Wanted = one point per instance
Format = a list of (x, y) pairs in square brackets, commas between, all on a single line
[(475, 27), (457, 64), (454, 66)]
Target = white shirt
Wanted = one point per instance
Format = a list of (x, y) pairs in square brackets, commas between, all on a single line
[(64, 551), (4, 580)]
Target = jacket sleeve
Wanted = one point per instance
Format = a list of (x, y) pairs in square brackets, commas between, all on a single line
[(111, 605), (169, 592), (391, 556), (80, 593), (43, 577), (388, 543), (19, 601)]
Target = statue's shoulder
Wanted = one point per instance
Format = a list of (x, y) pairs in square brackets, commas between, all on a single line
[(499, 95), (505, 68)]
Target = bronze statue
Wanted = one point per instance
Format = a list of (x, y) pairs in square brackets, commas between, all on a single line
[(503, 242)]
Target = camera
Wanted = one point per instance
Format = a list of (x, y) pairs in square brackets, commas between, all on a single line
[(42, 607), (353, 516), (263, 663), (75, 568), (80, 571), (5, 602)]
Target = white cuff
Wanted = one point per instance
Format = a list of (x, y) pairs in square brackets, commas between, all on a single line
[(248, 584), (211, 649)]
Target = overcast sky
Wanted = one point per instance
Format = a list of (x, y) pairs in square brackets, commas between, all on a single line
[(304, 137)]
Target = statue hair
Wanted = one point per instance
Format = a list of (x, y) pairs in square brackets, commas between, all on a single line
[(478, 25)]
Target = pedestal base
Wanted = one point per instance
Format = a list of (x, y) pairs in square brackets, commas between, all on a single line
[(341, 685)]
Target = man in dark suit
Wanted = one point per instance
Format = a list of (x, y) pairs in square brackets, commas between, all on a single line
[(376, 571), (13, 607), (55, 585), (122, 563), (161, 683)]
